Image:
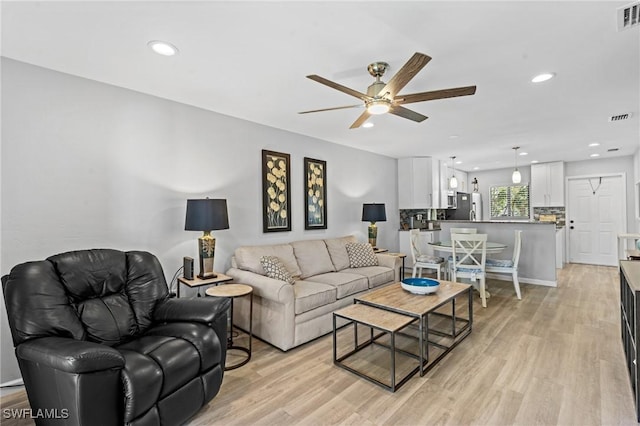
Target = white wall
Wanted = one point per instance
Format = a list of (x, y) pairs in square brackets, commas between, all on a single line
[(636, 191), (87, 165)]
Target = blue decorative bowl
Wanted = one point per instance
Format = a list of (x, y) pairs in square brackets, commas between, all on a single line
[(420, 285)]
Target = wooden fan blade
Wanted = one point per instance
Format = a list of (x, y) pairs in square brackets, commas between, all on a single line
[(405, 74), (435, 94), (360, 120), (331, 109), (340, 87), (407, 113)]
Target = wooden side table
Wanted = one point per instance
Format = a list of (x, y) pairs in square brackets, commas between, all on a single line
[(232, 291), (198, 282)]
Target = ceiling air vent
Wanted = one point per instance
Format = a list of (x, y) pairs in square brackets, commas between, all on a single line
[(613, 149), (620, 117), (629, 16)]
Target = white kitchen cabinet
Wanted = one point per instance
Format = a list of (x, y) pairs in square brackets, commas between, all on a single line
[(547, 185), (418, 183)]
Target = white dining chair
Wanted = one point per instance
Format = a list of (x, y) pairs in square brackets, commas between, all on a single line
[(508, 266), (422, 260), (464, 230), (469, 260), (458, 231)]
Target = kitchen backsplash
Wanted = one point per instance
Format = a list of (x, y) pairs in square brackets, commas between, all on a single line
[(558, 212), (428, 215)]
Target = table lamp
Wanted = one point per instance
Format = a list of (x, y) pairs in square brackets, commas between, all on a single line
[(206, 215), (373, 213)]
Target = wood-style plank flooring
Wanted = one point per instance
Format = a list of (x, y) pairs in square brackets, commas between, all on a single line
[(554, 358)]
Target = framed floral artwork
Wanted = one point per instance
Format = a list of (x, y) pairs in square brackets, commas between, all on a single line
[(315, 196), (276, 187)]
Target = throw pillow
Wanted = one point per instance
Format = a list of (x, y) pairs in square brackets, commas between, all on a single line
[(361, 254), (275, 269)]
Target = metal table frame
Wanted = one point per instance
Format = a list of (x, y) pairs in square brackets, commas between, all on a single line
[(423, 327), (338, 361)]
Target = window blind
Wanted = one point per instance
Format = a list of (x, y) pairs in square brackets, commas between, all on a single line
[(509, 202)]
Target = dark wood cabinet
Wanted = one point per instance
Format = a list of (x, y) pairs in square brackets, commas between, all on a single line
[(630, 321)]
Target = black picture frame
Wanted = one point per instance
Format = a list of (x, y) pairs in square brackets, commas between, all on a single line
[(276, 191), (315, 193)]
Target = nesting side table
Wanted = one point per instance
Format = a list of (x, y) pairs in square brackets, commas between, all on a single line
[(232, 291), (199, 282)]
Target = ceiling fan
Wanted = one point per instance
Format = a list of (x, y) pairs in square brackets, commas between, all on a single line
[(383, 97)]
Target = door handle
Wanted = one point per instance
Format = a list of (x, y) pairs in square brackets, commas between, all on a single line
[(571, 221), (571, 227)]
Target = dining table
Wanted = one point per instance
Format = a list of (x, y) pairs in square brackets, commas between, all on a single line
[(447, 246)]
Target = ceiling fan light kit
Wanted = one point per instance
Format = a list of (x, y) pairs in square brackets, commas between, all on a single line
[(516, 177), (378, 106), (383, 97)]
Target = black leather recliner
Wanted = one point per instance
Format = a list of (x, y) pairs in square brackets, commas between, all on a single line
[(99, 341)]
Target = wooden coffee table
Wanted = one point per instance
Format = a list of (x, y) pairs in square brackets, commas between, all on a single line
[(395, 299)]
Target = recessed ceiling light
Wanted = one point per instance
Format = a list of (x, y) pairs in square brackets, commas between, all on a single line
[(594, 155), (534, 161), (453, 137), (476, 168), (524, 153), (594, 144), (458, 162), (368, 125), (543, 77), (162, 48)]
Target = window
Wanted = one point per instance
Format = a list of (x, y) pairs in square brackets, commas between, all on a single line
[(509, 202)]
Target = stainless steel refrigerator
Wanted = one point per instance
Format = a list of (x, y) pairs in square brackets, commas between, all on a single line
[(468, 207)]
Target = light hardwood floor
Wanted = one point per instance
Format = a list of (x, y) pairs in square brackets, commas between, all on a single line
[(554, 358)]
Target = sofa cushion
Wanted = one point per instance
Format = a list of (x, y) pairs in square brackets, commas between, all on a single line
[(360, 255), (346, 284), (313, 257), (248, 258), (338, 251), (310, 295), (275, 269), (377, 275)]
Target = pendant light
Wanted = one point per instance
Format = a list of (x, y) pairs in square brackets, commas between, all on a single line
[(516, 177), (453, 182)]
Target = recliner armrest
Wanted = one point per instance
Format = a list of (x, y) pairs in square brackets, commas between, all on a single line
[(204, 310), (69, 355)]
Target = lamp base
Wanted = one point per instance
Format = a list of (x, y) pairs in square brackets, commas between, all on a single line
[(373, 234), (206, 252)]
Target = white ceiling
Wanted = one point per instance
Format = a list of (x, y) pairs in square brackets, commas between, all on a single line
[(250, 59)]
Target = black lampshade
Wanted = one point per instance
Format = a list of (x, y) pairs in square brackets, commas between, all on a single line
[(206, 215), (374, 213)]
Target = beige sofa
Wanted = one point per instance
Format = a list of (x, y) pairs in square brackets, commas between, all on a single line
[(287, 315)]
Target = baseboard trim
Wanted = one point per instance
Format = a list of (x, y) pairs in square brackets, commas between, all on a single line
[(523, 280)]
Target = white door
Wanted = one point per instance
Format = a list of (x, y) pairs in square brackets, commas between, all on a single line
[(595, 218)]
